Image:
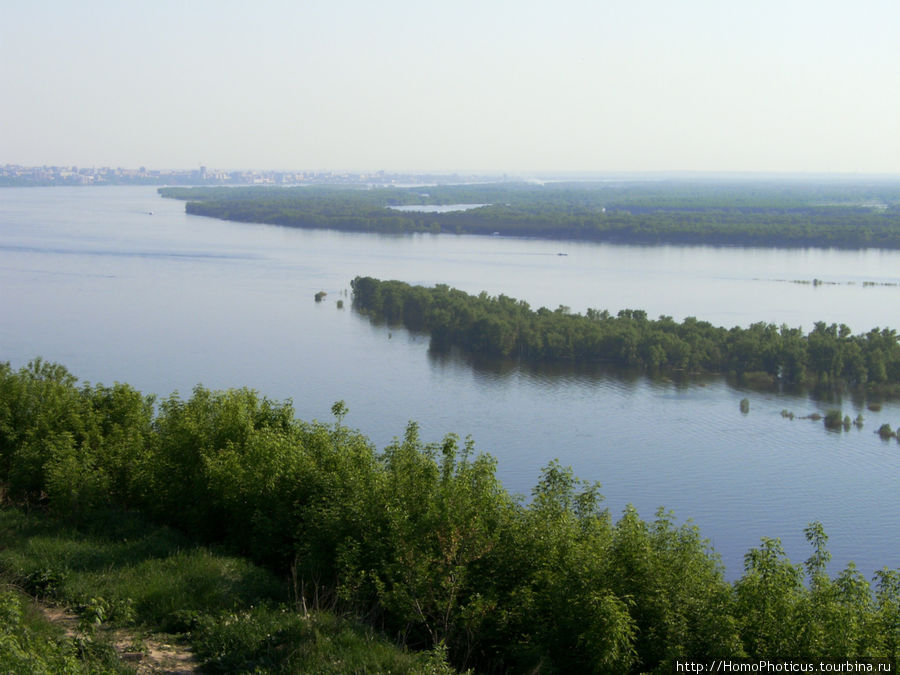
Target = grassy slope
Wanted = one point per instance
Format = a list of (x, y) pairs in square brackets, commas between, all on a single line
[(117, 570)]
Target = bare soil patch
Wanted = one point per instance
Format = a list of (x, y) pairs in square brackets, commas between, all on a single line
[(155, 653)]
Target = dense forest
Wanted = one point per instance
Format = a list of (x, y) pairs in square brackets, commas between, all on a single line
[(504, 327), (749, 213), (421, 539)]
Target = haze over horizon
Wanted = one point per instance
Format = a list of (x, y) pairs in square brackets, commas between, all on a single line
[(605, 86)]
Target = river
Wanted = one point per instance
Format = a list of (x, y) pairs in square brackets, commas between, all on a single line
[(117, 283)]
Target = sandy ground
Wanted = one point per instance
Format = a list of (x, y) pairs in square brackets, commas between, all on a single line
[(148, 654)]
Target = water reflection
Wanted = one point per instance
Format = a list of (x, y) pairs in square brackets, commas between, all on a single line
[(619, 377)]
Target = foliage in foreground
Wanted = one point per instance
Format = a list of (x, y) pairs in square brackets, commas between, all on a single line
[(29, 644), (420, 539), (117, 570)]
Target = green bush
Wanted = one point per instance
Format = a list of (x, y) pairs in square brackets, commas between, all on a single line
[(834, 419), (420, 538), (29, 644)]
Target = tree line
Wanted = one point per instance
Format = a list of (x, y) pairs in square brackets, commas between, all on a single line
[(845, 215), (505, 327), (421, 538)]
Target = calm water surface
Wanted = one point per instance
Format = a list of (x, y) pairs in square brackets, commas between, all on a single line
[(91, 279)]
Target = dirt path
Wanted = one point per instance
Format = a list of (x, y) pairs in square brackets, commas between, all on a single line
[(148, 654)]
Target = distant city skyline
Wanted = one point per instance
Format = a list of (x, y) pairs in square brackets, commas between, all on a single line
[(12, 175), (792, 86), (97, 175)]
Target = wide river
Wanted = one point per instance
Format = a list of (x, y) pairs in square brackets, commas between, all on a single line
[(119, 284)]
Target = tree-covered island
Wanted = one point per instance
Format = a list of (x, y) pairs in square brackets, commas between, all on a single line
[(749, 213), (504, 327)]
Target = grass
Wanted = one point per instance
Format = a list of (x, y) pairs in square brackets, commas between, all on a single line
[(116, 570), (29, 643), (279, 640)]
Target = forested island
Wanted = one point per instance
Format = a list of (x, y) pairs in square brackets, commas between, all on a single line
[(419, 540), (748, 213), (505, 327)]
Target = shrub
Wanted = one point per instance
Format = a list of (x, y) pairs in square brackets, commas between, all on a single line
[(834, 419)]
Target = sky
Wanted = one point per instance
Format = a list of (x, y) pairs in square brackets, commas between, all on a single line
[(469, 85)]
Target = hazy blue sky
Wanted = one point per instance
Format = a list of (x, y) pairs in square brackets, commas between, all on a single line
[(602, 85)]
